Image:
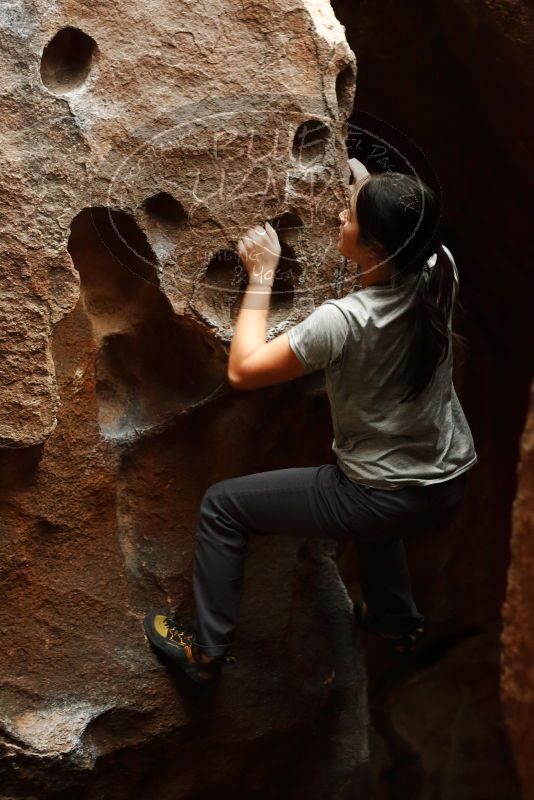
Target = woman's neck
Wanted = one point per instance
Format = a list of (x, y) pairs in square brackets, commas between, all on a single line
[(374, 273)]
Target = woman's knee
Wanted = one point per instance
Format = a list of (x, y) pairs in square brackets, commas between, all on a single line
[(215, 495), (220, 516), (210, 495)]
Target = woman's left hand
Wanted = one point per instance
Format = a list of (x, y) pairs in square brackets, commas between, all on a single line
[(259, 250)]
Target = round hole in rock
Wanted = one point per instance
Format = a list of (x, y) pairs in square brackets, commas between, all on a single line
[(224, 271), (224, 281), (166, 210), (288, 226), (66, 60), (309, 142)]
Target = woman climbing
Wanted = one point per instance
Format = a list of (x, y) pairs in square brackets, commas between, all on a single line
[(402, 442)]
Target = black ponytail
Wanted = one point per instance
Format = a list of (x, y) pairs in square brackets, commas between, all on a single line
[(400, 216), (430, 324)]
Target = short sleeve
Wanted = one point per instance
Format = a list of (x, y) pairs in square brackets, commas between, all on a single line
[(319, 339)]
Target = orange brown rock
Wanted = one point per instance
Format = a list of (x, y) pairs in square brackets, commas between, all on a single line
[(517, 673)]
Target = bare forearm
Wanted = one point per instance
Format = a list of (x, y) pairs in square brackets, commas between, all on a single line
[(251, 325)]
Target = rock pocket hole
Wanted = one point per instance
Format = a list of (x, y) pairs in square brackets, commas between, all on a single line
[(289, 229), (223, 284), (285, 281), (151, 364), (114, 260), (144, 377), (67, 59), (345, 90), (165, 210), (224, 272), (310, 140)]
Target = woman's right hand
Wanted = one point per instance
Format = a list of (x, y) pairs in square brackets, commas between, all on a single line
[(260, 250), (357, 169)]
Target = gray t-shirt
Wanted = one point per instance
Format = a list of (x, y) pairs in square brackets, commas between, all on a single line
[(358, 340)]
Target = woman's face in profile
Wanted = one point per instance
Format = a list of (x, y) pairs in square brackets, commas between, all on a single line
[(347, 243)]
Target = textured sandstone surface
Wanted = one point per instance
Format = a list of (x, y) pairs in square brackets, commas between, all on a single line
[(517, 676), (115, 416), (139, 141), (176, 120)]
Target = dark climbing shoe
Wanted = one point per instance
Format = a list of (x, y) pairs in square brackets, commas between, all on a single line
[(175, 640), (401, 643)]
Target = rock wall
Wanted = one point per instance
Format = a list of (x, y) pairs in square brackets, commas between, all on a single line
[(517, 675), (139, 141), (454, 79)]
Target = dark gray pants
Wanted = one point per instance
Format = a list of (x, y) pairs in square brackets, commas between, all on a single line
[(319, 502)]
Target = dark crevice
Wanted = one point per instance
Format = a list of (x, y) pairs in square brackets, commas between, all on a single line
[(407, 775), (345, 90), (427, 657), (18, 466), (47, 528)]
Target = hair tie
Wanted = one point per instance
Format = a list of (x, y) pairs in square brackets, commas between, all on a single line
[(430, 263)]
